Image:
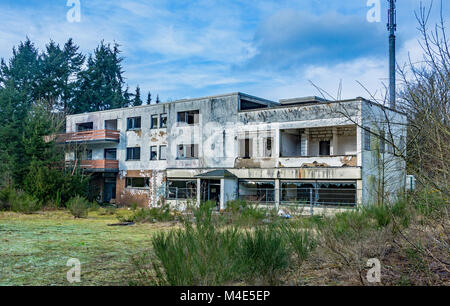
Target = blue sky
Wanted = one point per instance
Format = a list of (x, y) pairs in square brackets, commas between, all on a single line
[(184, 49)]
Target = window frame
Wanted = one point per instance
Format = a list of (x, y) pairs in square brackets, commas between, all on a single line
[(151, 153), (154, 126), (128, 155), (161, 125), (129, 182), (159, 157), (134, 120)]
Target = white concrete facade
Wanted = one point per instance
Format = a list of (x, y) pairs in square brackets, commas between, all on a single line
[(217, 146)]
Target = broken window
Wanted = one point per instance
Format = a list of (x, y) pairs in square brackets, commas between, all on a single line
[(189, 117), (86, 126), (162, 152), (268, 146), (246, 148), (163, 121), (187, 151), (153, 153), (257, 191), (154, 122), (134, 153), (182, 189), (110, 154), (133, 123), (324, 148), (137, 182), (291, 143)]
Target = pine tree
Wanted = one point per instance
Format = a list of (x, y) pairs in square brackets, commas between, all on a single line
[(137, 97), (157, 99), (149, 98)]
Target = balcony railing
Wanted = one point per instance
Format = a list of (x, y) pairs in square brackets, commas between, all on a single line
[(95, 165), (90, 136)]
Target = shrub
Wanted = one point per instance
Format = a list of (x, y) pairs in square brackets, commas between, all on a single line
[(78, 207), (380, 213), (301, 241), (23, 203), (107, 211), (264, 253), (5, 194)]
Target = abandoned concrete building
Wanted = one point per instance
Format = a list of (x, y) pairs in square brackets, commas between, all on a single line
[(302, 151)]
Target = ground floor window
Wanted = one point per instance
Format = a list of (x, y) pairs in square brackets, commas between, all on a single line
[(137, 182), (182, 189), (318, 193), (257, 191)]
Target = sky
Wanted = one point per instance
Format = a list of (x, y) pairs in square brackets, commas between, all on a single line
[(273, 49)]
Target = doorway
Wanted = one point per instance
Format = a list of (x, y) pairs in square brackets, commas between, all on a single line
[(210, 190), (110, 190)]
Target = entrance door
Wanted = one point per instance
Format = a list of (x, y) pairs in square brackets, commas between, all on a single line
[(210, 190), (110, 190)]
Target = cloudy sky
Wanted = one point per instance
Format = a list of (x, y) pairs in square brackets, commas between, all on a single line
[(183, 49)]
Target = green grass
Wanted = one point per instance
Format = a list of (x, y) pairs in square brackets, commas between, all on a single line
[(34, 249)]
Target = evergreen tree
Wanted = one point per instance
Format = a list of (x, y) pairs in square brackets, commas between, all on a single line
[(157, 99), (137, 97), (149, 98)]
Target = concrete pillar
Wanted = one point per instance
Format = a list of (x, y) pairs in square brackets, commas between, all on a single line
[(277, 143), (199, 196), (334, 142), (222, 194), (277, 194), (359, 145), (307, 149)]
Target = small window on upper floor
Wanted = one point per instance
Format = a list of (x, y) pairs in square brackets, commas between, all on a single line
[(162, 152), (153, 153), (134, 153), (324, 148), (367, 139), (163, 121), (189, 151), (154, 122), (133, 123), (189, 117)]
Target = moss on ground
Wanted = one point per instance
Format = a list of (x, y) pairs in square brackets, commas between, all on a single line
[(34, 249)]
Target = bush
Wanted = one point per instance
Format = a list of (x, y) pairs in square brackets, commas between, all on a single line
[(5, 203), (78, 207), (264, 253), (23, 203), (161, 214)]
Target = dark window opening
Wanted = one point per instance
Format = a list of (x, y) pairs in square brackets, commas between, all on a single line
[(163, 121), (189, 118), (187, 151), (87, 126), (182, 189), (111, 124), (137, 182), (247, 105), (153, 153), (154, 122), (257, 191), (324, 148), (133, 123)]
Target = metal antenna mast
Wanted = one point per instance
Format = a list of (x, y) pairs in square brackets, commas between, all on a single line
[(392, 27)]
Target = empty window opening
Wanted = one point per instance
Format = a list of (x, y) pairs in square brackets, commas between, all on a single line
[(247, 105), (154, 122), (324, 148), (291, 143), (189, 117), (153, 153), (187, 151), (181, 189), (133, 123), (137, 182), (257, 191), (86, 126), (268, 147), (163, 121)]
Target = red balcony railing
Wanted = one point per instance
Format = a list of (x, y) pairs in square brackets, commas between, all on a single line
[(86, 136), (95, 164)]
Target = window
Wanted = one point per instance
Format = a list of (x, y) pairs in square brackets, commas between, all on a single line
[(324, 148), (88, 154), (182, 189), (110, 154), (245, 148), (382, 142), (163, 121), (134, 153), (133, 123), (257, 191), (154, 122), (187, 151), (137, 182), (87, 126), (153, 153), (367, 139), (189, 118), (111, 124), (268, 147), (162, 152)]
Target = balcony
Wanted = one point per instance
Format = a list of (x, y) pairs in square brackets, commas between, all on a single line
[(95, 165), (97, 136)]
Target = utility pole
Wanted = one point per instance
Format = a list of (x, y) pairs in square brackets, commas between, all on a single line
[(392, 27)]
